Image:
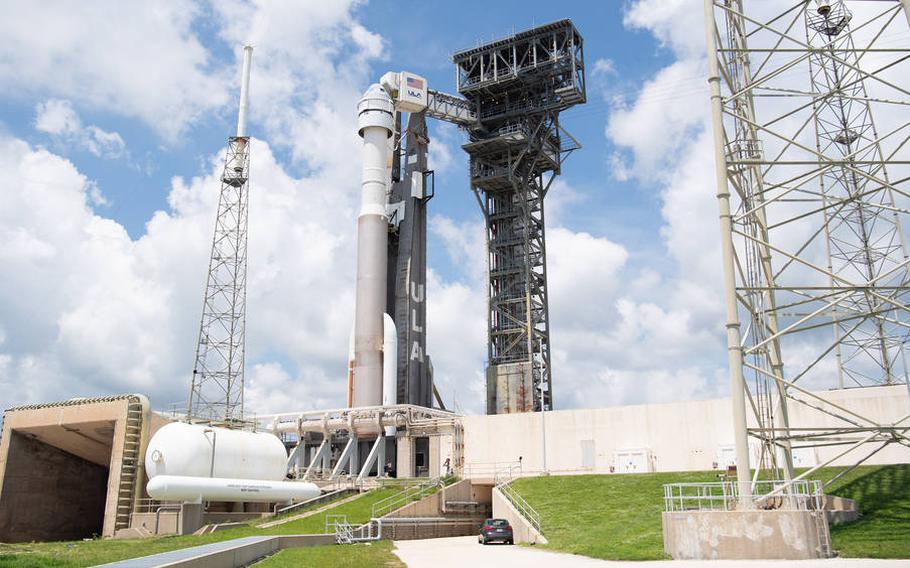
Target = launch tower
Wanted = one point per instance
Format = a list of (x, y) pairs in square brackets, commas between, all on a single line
[(517, 87)]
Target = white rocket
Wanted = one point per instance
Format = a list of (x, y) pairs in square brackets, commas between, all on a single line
[(373, 365), (376, 123)]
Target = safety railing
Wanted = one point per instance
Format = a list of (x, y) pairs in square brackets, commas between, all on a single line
[(407, 495), (147, 505), (324, 498), (724, 495), (493, 469), (339, 526), (345, 533), (503, 482)]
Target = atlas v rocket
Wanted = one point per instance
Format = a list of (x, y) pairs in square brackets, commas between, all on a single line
[(376, 124), (391, 263)]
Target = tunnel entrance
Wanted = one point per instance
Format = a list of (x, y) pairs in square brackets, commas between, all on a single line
[(72, 469), (55, 484)]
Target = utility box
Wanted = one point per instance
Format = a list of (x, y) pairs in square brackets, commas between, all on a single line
[(632, 461)]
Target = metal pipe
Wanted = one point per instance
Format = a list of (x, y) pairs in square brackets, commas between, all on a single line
[(375, 123), (177, 508), (214, 437), (359, 424), (244, 90), (423, 410), (734, 349), (351, 367)]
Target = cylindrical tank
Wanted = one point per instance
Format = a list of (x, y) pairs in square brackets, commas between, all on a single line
[(194, 450), (179, 488)]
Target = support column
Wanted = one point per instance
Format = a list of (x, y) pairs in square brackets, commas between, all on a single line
[(405, 462), (734, 349)]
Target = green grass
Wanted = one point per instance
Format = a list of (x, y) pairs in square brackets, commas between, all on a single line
[(614, 517), (883, 495), (618, 517), (372, 554), (88, 553)]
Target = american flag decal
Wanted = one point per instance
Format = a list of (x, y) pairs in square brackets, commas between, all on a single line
[(415, 83)]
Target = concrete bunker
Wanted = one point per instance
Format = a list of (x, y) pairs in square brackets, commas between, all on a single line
[(69, 470)]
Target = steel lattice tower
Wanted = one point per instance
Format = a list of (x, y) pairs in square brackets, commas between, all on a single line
[(216, 393), (811, 213), (864, 238), (518, 86)]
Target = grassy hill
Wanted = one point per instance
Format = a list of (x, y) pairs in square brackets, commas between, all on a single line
[(618, 517), (614, 517), (88, 553)]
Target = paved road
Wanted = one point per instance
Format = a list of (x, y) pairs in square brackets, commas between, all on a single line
[(462, 551)]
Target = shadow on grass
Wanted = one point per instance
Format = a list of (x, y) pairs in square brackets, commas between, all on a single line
[(883, 498), (879, 491)]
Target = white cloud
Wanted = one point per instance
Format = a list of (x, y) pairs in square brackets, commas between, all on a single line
[(59, 119), (677, 24), (138, 60), (99, 312), (604, 66)]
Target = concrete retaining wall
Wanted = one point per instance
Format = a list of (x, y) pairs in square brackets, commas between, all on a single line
[(442, 527), (679, 436), (743, 535), (522, 531)]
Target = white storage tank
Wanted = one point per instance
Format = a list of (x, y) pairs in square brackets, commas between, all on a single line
[(187, 450)]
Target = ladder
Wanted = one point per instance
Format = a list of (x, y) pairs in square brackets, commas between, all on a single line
[(823, 533), (129, 464)]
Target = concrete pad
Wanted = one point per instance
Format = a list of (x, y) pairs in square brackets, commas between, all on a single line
[(463, 551)]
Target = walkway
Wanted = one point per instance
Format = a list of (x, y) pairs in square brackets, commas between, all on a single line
[(166, 558), (463, 551)]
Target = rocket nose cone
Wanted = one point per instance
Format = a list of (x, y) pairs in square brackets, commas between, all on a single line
[(375, 90)]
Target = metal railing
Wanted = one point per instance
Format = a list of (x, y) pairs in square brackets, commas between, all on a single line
[(523, 507), (493, 469), (407, 495), (148, 505), (724, 495), (345, 533), (324, 498), (339, 526), (503, 482)]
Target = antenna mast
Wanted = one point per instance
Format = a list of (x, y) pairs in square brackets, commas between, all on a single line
[(216, 394)]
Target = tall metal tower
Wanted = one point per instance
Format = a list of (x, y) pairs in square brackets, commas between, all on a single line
[(813, 197), (216, 393), (518, 86)]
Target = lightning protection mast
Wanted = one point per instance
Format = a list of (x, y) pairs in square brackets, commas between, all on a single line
[(216, 394), (811, 129)]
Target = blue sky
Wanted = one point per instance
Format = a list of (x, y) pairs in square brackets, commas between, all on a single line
[(114, 119)]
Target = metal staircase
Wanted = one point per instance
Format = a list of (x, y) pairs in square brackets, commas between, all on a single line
[(129, 464)]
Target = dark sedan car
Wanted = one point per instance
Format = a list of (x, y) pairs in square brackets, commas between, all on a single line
[(495, 529)]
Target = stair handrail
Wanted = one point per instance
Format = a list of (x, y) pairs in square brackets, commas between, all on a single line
[(503, 482), (407, 495)]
